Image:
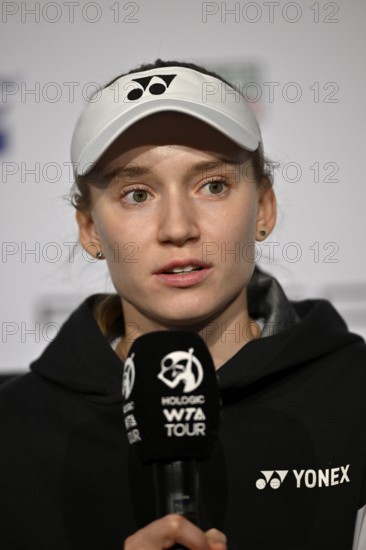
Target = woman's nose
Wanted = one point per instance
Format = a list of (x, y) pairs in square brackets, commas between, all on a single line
[(178, 220)]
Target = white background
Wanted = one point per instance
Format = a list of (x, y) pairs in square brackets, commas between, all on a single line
[(316, 46)]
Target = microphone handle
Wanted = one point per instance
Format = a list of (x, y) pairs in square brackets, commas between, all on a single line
[(176, 489)]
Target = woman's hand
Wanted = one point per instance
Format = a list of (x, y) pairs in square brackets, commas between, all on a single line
[(172, 529)]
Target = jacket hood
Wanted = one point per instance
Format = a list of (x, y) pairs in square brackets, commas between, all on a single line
[(294, 333)]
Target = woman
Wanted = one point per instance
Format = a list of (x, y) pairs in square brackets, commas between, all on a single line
[(172, 191)]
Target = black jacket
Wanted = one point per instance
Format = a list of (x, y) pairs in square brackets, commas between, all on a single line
[(288, 471)]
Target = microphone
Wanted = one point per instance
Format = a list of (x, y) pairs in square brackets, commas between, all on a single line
[(171, 408)]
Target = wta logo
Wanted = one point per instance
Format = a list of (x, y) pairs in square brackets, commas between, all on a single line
[(128, 379), (181, 367)]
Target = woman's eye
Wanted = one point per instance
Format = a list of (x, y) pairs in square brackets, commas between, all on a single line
[(215, 187), (134, 196), (139, 195)]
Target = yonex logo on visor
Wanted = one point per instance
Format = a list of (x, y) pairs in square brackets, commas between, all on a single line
[(155, 88)]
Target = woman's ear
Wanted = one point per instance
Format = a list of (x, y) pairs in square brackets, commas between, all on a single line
[(88, 235), (267, 213)]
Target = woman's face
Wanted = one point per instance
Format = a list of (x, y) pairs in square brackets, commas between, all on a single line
[(176, 213)]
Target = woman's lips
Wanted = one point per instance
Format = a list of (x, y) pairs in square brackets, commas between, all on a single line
[(183, 280), (198, 272)]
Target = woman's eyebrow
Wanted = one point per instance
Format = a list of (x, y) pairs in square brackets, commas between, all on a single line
[(129, 172), (206, 167), (124, 173)]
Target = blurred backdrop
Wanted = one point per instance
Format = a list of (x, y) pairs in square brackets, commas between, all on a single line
[(300, 65)]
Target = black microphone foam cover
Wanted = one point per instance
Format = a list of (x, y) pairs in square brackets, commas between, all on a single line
[(171, 399)]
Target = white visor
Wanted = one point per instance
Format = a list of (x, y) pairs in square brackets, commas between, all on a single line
[(138, 95)]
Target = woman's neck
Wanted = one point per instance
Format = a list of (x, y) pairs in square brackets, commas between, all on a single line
[(224, 334)]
